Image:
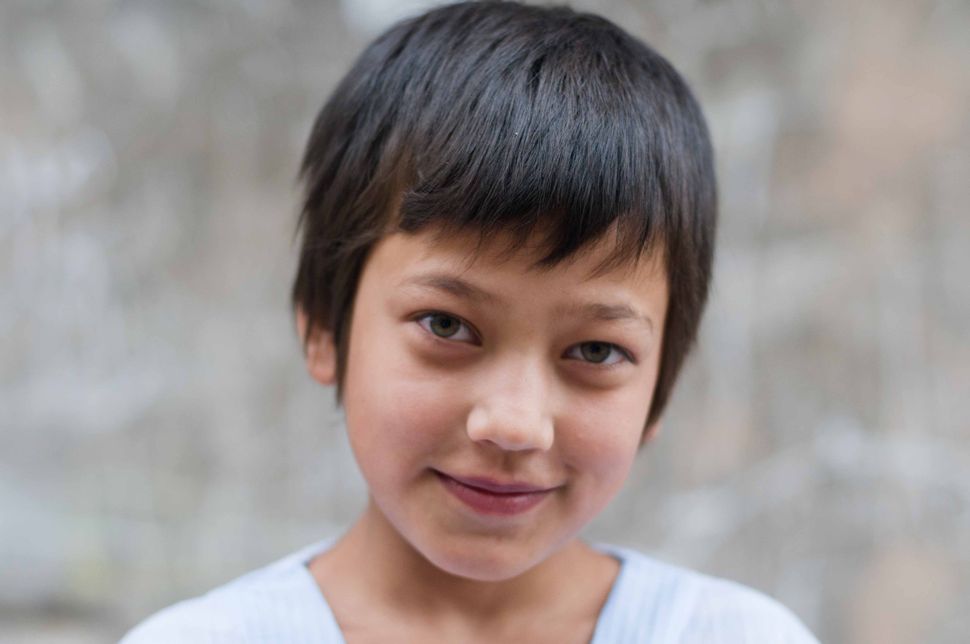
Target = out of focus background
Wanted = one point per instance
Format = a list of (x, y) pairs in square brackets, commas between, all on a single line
[(159, 435)]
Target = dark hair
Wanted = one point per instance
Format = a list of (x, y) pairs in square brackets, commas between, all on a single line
[(500, 117)]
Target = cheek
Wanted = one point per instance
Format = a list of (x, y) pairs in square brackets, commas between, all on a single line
[(399, 415), (603, 436)]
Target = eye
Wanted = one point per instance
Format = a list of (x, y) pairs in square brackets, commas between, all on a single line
[(444, 326), (598, 352)]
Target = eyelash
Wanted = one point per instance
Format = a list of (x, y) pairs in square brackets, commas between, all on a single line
[(627, 356)]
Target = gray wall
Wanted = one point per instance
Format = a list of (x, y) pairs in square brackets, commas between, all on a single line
[(158, 434)]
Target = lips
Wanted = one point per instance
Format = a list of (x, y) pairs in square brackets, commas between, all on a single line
[(489, 497), (490, 485)]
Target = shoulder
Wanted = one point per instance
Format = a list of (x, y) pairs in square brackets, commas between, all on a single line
[(676, 604), (194, 621), (724, 606), (279, 602)]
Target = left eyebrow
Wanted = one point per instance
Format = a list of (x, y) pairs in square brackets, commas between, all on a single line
[(607, 312)]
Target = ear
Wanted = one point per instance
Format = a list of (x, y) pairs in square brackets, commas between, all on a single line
[(318, 350), (650, 432)]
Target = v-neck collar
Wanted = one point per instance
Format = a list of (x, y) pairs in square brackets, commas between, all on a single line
[(328, 621)]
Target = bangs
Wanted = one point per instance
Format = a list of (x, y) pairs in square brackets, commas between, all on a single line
[(570, 187)]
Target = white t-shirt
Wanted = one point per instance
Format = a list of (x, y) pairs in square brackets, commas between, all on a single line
[(650, 601)]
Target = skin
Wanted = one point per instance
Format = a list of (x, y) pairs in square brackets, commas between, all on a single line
[(502, 389)]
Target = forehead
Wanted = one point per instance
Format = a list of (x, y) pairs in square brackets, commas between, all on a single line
[(403, 259)]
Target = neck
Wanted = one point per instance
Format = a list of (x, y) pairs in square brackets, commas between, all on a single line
[(384, 569)]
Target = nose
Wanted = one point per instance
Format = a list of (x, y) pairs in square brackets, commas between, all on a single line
[(514, 415)]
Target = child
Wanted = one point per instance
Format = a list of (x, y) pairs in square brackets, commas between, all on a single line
[(507, 242)]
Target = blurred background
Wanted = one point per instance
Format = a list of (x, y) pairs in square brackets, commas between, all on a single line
[(159, 435)]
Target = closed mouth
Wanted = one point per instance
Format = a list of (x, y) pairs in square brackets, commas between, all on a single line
[(494, 486), (488, 502)]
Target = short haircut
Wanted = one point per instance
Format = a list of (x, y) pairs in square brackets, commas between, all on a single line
[(489, 117)]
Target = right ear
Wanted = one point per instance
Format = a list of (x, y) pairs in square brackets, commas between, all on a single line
[(318, 350)]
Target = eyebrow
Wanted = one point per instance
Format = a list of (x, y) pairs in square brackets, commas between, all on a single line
[(453, 285), (466, 290), (607, 312)]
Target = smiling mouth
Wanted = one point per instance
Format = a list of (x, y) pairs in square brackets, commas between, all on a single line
[(497, 499)]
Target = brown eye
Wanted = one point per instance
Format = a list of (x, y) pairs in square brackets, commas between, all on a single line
[(444, 325), (602, 355), (596, 351)]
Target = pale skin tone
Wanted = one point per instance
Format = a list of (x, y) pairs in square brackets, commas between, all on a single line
[(518, 385)]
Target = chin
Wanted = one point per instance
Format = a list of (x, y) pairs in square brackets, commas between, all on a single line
[(483, 559), (498, 562)]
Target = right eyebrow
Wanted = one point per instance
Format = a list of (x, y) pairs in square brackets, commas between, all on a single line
[(451, 284)]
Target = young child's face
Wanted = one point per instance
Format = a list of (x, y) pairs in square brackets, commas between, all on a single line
[(523, 387)]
